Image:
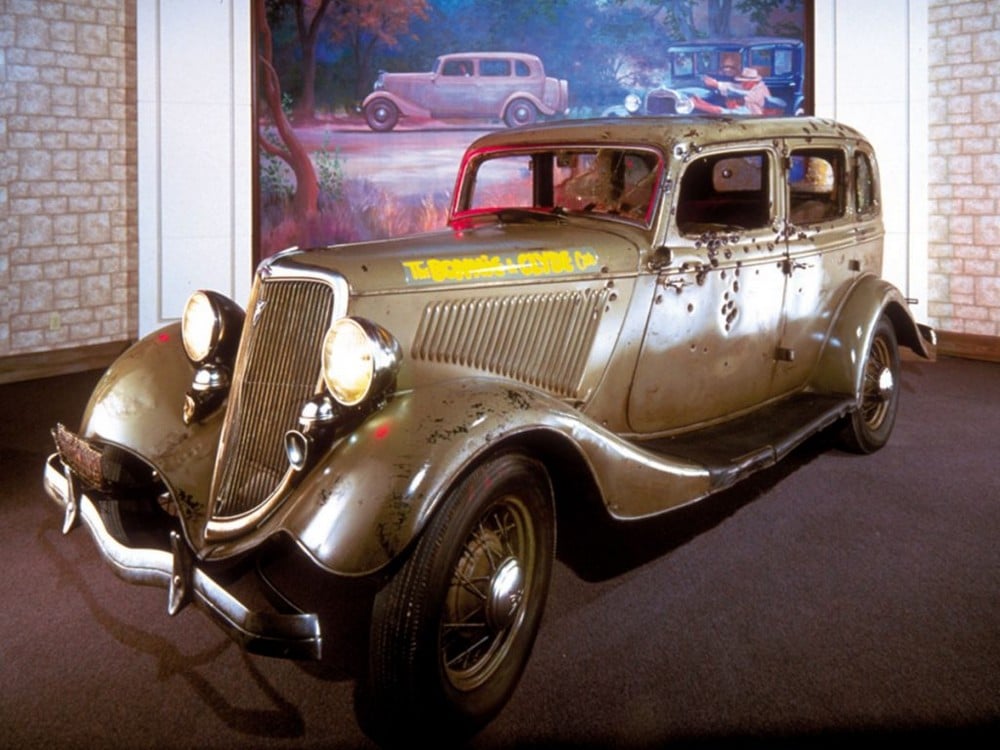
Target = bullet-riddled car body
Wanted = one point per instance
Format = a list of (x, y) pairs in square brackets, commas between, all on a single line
[(621, 317)]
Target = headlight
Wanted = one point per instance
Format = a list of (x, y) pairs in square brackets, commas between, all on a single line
[(210, 327), (360, 360), (684, 104), (632, 103)]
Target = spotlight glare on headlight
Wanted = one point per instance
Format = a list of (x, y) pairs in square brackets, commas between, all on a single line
[(199, 327)]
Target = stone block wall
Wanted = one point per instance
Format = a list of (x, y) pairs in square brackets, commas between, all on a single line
[(68, 216), (964, 170)]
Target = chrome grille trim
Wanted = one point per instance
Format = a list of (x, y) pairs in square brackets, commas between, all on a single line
[(540, 339), (277, 370)]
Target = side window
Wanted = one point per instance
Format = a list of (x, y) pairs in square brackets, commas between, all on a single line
[(521, 69), (494, 68), (815, 185), (457, 68), (725, 191), (865, 188), (784, 62), (762, 58)]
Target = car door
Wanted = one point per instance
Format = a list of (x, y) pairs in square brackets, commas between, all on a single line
[(454, 91), (709, 346), (830, 236)]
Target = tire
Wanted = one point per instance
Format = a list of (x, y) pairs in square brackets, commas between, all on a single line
[(482, 565), (868, 427), (381, 114), (520, 112)]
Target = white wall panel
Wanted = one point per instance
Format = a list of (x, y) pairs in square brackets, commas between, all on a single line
[(871, 72), (194, 109)]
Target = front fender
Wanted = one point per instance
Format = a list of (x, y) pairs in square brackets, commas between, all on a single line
[(374, 492), (405, 106), (840, 368), (138, 405)]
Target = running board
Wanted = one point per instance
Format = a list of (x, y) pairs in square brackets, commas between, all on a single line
[(733, 450)]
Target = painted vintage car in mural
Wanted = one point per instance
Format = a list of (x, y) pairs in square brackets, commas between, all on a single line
[(507, 86), (710, 76), (621, 318)]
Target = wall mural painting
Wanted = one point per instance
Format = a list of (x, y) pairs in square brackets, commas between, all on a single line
[(365, 106)]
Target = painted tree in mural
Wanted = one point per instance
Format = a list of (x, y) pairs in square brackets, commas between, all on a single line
[(305, 199), (366, 25)]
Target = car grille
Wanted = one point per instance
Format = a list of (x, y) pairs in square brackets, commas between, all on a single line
[(661, 103), (277, 371), (540, 339)]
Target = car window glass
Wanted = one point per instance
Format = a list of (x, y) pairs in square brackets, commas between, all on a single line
[(494, 67), (505, 181), (521, 69), (612, 181), (618, 182), (782, 62), (762, 58), (864, 184), (683, 64), (815, 185), (457, 68), (725, 191)]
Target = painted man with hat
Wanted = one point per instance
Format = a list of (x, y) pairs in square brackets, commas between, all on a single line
[(747, 95)]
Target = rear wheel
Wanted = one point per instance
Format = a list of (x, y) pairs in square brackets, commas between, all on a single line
[(452, 631), (520, 112), (868, 428)]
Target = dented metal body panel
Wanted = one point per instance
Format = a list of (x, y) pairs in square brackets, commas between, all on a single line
[(630, 328)]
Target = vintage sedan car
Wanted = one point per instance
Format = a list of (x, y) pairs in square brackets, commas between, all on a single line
[(509, 86), (621, 318), (778, 61)]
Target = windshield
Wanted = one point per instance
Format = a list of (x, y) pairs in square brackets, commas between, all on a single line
[(619, 182)]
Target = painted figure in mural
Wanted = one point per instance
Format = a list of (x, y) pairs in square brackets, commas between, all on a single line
[(748, 93)]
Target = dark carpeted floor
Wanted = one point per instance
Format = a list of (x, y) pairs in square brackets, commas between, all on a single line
[(832, 599)]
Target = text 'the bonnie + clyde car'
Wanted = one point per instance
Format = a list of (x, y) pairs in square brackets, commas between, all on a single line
[(622, 317), (510, 86), (779, 62)]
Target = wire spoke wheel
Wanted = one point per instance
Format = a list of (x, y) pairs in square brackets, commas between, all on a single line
[(453, 628), (879, 386), (485, 602), (868, 428)]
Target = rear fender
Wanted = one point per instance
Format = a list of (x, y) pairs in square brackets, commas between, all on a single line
[(841, 364)]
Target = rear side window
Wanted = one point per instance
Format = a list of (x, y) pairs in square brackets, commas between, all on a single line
[(865, 187), (494, 67), (727, 191), (815, 185)]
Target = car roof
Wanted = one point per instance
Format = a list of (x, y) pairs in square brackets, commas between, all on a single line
[(486, 55), (665, 132), (737, 42)]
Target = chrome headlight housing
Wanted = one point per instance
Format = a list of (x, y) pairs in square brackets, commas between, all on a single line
[(360, 360), (684, 104), (210, 327), (633, 103)]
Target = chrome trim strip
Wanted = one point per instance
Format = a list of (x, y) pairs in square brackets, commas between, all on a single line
[(293, 636)]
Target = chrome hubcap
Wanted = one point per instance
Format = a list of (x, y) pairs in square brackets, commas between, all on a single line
[(505, 594)]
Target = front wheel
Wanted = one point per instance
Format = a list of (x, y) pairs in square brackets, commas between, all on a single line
[(452, 631), (381, 114), (868, 428), (520, 112)]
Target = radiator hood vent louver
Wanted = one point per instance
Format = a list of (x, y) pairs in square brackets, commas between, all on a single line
[(543, 340)]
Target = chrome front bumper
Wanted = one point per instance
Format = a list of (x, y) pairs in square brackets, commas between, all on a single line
[(292, 636)]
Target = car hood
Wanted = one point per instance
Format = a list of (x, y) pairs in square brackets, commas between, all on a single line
[(494, 252)]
